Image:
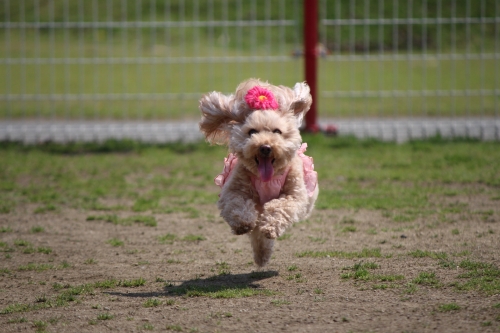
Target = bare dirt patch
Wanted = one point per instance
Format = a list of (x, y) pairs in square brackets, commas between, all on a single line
[(343, 270)]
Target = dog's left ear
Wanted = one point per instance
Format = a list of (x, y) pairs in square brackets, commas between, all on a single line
[(302, 101)]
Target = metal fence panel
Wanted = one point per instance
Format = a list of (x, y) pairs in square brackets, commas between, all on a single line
[(138, 59), (394, 69), (391, 58)]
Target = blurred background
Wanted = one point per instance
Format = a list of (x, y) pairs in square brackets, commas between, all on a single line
[(89, 69)]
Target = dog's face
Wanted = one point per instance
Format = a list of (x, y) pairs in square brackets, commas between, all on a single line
[(265, 137), (266, 142)]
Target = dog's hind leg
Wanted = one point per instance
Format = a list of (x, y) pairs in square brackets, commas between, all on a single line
[(262, 247)]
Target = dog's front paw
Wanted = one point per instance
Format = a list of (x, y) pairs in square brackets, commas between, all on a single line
[(242, 228), (269, 231)]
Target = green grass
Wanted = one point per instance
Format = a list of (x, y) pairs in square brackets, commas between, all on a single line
[(21, 242), (132, 283), (40, 325), (427, 279), (35, 267), (152, 302), (44, 250), (481, 276), (279, 302), (149, 221), (449, 307), (220, 291), (176, 328), (148, 327), (115, 242), (37, 229), (167, 239), (105, 316), (67, 294), (193, 238), (400, 179), (429, 254), (362, 272), (284, 237), (365, 253)]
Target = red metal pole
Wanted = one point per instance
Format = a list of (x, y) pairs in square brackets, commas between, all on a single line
[(310, 58)]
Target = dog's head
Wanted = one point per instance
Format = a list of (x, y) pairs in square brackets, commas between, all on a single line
[(259, 123)]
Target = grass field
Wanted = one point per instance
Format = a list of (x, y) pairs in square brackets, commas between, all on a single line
[(126, 236), (368, 174)]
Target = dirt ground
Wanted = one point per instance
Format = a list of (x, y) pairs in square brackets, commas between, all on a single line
[(293, 293)]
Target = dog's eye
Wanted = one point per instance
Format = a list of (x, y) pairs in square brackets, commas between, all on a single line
[(277, 131), (252, 131)]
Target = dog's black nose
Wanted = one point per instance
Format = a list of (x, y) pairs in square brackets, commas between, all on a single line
[(265, 150)]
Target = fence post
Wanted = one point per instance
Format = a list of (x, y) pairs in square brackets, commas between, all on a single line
[(310, 58)]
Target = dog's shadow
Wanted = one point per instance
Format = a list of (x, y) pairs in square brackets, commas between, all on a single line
[(217, 286)]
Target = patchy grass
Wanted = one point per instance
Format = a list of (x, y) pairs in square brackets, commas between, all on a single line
[(149, 221), (279, 302), (132, 283), (349, 229), (361, 272), (427, 279), (21, 242), (105, 316), (148, 327), (35, 267), (193, 238), (40, 326), (428, 254), (480, 276), (37, 229), (449, 307), (115, 242), (284, 237), (319, 240), (401, 183), (365, 253), (152, 302), (68, 294), (167, 239), (44, 250), (220, 291)]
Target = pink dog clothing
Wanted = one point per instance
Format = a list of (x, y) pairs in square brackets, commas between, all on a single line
[(272, 189)]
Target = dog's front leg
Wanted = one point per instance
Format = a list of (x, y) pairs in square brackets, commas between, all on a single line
[(237, 206), (289, 208)]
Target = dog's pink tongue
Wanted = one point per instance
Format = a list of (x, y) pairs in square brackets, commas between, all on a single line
[(266, 169)]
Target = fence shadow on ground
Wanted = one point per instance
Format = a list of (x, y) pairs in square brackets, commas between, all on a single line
[(217, 286)]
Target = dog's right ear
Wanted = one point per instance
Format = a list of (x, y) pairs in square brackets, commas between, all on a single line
[(217, 117)]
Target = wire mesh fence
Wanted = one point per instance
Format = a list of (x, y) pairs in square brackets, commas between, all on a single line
[(410, 58), (141, 59), (93, 69)]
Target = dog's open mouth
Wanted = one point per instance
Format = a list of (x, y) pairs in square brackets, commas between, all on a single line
[(265, 167)]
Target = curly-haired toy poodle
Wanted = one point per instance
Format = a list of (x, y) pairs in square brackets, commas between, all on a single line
[(267, 182)]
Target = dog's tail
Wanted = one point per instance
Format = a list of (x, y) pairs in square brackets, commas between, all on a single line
[(262, 247)]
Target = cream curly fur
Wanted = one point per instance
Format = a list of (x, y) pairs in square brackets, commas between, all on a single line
[(228, 120)]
